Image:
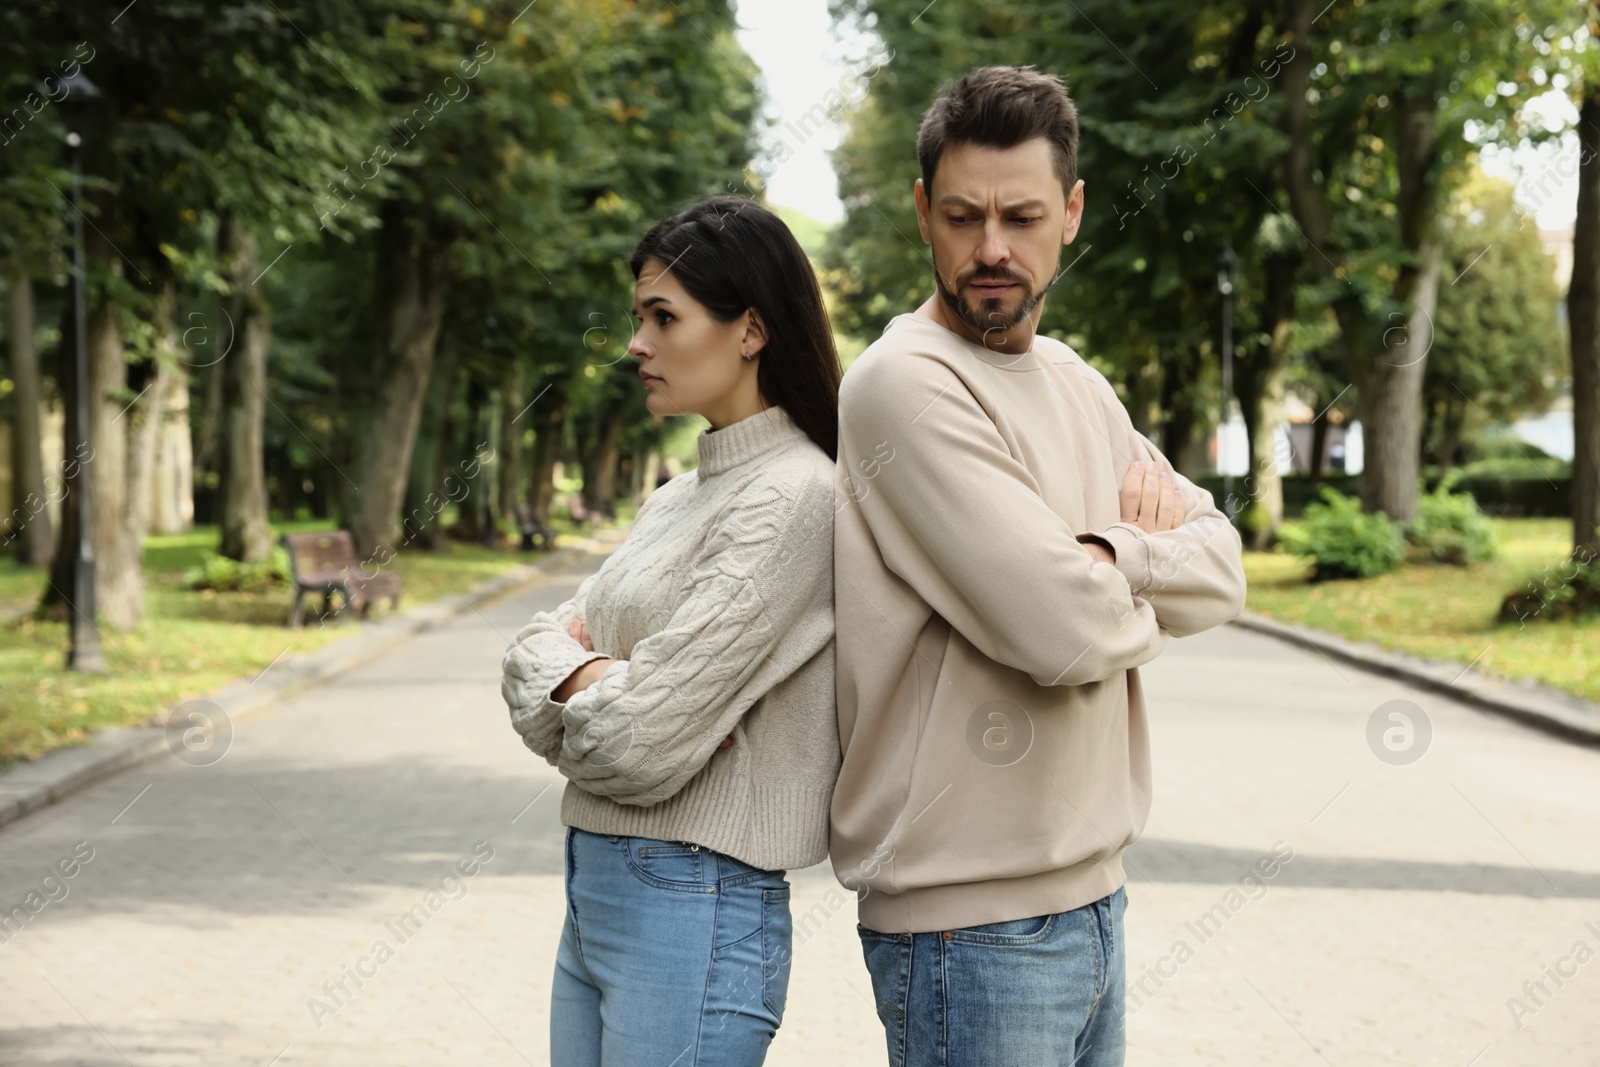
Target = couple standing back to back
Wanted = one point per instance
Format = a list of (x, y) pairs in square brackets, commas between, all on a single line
[(894, 619)]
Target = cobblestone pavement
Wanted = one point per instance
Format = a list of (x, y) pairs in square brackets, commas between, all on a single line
[(210, 910)]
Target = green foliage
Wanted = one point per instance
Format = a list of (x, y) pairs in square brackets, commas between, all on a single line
[(1449, 528), (1568, 590), (1181, 109), (1343, 541), (1498, 340), (1496, 445), (230, 576)]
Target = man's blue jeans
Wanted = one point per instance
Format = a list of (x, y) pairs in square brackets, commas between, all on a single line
[(672, 954), (1041, 992)]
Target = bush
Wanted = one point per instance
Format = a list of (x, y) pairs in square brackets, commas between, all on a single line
[(1449, 528), (1529, 492), (1499, 446), (1569, 590), (1343, 541), (229, 575)]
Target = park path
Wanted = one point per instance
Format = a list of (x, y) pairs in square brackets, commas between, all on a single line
[(217, 901)]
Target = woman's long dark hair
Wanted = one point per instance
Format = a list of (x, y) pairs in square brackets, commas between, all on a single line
[(733, 255)]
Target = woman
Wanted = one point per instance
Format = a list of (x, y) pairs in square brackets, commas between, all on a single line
[(687, 689)]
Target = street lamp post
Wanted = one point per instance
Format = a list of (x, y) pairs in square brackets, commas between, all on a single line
[(84, 654), (1227, 262)]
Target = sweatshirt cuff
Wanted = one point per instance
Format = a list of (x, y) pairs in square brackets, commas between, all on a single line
[(1133, 553)]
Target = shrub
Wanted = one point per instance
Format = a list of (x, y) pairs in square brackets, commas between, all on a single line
[(1449, 528), (1569, 590), (229, 575), (1499, 446), (1343, 541)]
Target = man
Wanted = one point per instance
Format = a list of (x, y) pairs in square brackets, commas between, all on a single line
[(1008, 550)]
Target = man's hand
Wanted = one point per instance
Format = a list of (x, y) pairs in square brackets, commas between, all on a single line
[(1150, 499), (584, 677)]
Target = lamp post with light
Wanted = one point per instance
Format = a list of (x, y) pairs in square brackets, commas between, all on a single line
[(1227, 263), (84, 654)]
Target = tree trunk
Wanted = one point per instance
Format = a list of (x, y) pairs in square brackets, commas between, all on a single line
[(508, 459), (1452, 418), (472, 518), (1177, 403), (34, 544), (172, 502), (1583, 322), (599, 473), (546, 451), (207, 445), (1319, 447), (484, 489), (1259, 382), (410, 295), (427, 494), (1388, 377), (242, 489), (145, 416), (119, 577), (1143, 385), (1391, 396), (646, 468)]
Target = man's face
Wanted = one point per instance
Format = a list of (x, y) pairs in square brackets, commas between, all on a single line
[(997, 218)]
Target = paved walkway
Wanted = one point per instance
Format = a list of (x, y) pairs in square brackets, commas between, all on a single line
[(212, 912)]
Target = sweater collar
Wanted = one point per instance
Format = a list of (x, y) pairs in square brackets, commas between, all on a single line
[(742, 441)]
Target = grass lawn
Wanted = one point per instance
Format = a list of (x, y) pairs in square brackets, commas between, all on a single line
[(190, 642), (1445, 612)]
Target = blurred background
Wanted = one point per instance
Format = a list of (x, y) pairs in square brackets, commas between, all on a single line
[(336, 253), (360, 266)]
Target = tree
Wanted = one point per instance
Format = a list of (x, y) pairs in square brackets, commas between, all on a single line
[(213, 134), (30, 234), (1497, 337), (1583, 309), (1382, 110)]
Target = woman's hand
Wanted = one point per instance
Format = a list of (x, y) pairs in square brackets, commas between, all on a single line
[(578, 630), (578, 681)]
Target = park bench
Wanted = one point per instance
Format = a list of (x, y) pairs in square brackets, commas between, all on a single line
[(535, 534), (326, 563)]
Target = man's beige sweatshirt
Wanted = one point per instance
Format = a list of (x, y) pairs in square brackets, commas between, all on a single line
[(996, 754)]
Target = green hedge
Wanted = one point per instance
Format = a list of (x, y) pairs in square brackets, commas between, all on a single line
[(1505, 495)]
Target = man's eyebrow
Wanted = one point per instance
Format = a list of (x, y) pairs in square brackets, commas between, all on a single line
[(956, 200)]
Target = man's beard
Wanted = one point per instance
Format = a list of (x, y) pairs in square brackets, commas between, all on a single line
[(988, 316)]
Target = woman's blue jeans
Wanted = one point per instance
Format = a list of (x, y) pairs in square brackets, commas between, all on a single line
[(673, 956), (1044, 992)]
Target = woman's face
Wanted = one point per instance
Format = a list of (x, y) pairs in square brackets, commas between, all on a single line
[(690, 363)]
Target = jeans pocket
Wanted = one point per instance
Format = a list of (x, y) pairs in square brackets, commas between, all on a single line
[(1027, 931), (777, 936), (676, 865)]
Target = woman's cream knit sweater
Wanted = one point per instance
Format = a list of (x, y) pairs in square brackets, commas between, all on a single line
[(718, 609)]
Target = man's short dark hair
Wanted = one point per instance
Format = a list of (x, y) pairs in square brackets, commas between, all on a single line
[(1001, 107)]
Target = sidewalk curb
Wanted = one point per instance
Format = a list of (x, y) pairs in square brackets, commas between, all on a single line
[(61, 772), (1533, 704)]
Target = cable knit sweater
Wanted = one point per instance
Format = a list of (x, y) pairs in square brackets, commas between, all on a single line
[(718, 609)]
